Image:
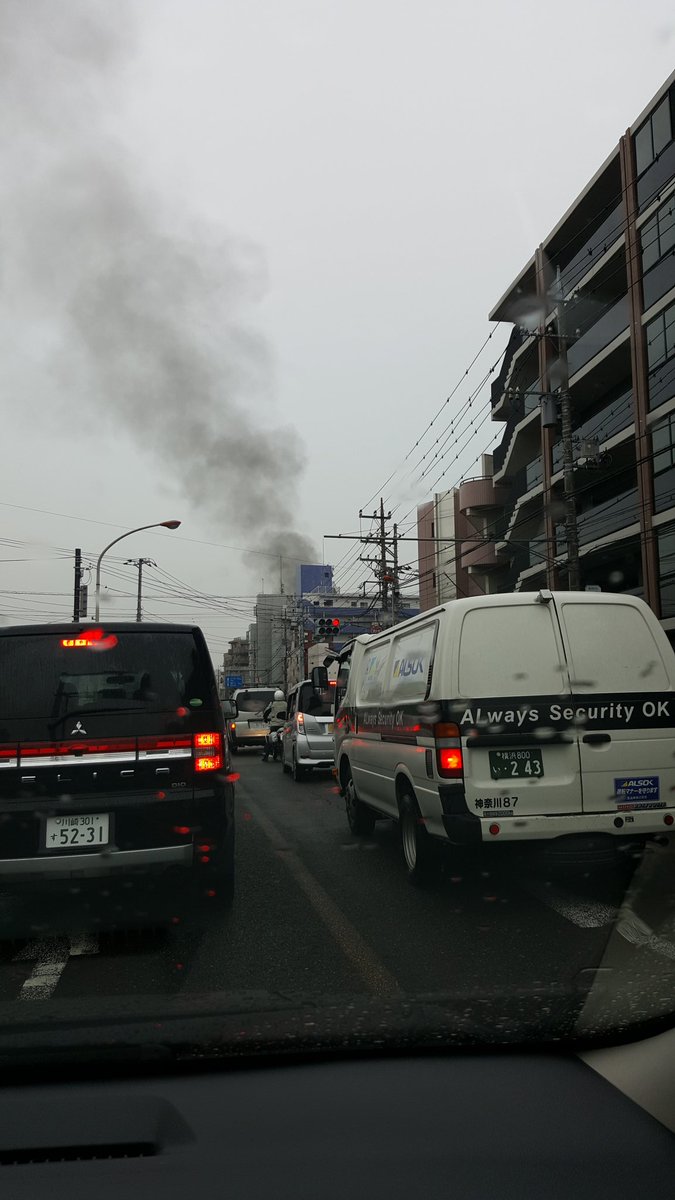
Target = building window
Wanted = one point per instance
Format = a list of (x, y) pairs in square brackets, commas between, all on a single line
[(658, 235), (661, 337), (328, 603), (433, 579), (654, 135), (663, 449), (667, 570), (433, 529)]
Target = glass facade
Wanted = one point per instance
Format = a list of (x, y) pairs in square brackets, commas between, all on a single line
[(663, 449), (666, 544), (653, 137)]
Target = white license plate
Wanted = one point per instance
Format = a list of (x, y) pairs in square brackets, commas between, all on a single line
[(77, 832)]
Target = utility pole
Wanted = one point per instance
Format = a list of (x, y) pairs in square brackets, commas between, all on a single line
[(571, 529), (394, 586), (380, 517), (140, 562), (78, 584)]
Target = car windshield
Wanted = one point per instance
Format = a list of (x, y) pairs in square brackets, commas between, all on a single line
[(337, 613)]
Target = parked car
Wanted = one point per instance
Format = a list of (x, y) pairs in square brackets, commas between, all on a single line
[(308, 732), (113, 759)]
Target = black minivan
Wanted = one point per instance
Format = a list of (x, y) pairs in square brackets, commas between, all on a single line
[(113, 757)]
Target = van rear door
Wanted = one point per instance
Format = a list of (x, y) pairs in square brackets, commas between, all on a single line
[(622, 674), (519, 761)]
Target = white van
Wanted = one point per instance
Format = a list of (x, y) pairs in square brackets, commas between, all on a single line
[(510, 718), (248, 728)]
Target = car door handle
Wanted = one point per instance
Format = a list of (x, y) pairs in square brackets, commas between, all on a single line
[(596, 739)]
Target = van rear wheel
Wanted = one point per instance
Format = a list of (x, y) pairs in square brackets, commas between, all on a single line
[(361, 820), (419, 852)]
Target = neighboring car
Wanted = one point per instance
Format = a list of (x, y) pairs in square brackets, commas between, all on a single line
[(248, 728), (308, 732), (514, 718), (113, 758)]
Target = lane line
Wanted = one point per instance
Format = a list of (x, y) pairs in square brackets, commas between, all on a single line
[(52, 955), (374, 974), (51, 958)]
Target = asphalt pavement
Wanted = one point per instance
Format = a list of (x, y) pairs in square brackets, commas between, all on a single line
[(319, 911)]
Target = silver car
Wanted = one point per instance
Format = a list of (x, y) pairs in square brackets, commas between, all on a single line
[(308, 732)]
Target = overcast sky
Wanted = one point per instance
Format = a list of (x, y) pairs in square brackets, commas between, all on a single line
[(248, 247)]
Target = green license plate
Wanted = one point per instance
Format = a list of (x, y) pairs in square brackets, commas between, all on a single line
[(516, 764)]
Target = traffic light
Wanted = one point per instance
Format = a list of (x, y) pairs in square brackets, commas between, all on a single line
[(327, 628)]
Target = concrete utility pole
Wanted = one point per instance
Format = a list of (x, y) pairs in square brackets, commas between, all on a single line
[(571, 528), (140, 562), (78, 584)]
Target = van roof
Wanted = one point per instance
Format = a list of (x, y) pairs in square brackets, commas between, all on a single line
[(499, 599)]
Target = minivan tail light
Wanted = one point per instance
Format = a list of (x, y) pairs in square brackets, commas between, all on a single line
[(301, 719), (449, 758), (208, 751), (450, 762)]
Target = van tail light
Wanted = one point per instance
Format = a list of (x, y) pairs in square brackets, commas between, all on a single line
[(233, 725), (449, 757), (207, 750), (301, 720)]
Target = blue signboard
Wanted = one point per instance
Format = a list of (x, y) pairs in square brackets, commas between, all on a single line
[(234, 681)]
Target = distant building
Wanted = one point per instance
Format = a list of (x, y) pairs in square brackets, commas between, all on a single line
[(236, 660), (313, 577)]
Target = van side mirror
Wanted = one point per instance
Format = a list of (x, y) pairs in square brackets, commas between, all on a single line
[(319, 679), (229, 708), (282, 714)]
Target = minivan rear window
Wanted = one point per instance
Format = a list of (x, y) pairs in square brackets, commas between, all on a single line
[(40, 677), (510, 650), (612, 649)]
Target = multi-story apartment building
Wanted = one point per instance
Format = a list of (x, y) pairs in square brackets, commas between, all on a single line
[(236, 660), (605, 278)]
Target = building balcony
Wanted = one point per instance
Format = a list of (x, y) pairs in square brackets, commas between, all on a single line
[(600, 336), (479, 556), (479, 495), (524, 445)]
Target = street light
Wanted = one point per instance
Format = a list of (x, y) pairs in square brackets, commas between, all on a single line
[(155, 525)]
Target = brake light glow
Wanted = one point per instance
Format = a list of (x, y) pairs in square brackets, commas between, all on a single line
[(301, 719), (92, 639), (449, 760), (206, 739), (212, 763), (207, 750), (233, 724)]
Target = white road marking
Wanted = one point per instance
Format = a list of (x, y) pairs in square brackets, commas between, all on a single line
[(637, 932), (586, 914), (594, 914), (51, 955)]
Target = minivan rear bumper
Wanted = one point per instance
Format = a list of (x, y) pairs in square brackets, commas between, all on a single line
[(93, 865), (465, 829)]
